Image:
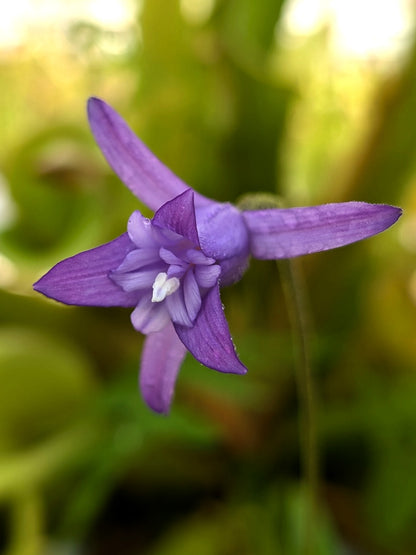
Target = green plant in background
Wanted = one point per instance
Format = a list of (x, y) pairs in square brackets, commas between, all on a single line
[(81, 458)]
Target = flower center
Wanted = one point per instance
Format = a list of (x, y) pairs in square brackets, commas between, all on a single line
[(163, 287)]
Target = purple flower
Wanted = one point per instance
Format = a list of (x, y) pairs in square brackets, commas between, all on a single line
[(170, 268)]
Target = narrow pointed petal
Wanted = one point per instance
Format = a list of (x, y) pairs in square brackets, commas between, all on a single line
[(162, 357), (209, 338), (285, 233), (178, 215), (84, 279), (144, 174)]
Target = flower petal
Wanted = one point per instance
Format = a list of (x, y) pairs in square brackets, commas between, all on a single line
[(83, 279), (209, 338), (178, 215), (222, 231), (138, 259), (162, 357), (149, 317), (176, 306), (167, 256), (140, 231), (207, 276), (195, 256), (224, 236), (285, 233), (191, 294), (133, 281), (176, 270), (150, 180)]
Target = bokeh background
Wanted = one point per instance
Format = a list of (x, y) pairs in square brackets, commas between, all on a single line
[(314, 101)]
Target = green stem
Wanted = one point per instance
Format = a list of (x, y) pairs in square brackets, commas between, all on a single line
[(295, 297)]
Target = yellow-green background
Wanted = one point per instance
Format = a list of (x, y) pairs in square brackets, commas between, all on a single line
[(233, 105)]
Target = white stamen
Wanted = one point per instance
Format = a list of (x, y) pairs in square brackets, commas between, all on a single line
[(163, 287)]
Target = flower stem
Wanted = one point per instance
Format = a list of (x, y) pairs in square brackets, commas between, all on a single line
[(295, 296)]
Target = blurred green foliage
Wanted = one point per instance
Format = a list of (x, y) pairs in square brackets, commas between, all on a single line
[(233, 105)]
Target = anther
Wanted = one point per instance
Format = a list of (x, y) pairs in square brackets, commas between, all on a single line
[(163, 287)]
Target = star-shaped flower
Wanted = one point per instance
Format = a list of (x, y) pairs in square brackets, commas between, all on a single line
[(170, 268)]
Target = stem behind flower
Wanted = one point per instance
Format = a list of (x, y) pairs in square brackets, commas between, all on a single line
[(294, 292)]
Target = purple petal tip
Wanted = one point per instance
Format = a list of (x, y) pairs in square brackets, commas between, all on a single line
[(139, 169), (286, 233), (83, 279)]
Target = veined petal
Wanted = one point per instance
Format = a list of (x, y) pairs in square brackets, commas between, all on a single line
[(209, 338), (176, 306), (162, 357), (84, 279), (285, 233), (144, 174), (191, 295), (178, 215), (131, 281), (149, 317), (207, 276), (139, 258), (167, 256)]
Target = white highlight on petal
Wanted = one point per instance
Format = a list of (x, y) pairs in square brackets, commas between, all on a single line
[(163, 287)]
